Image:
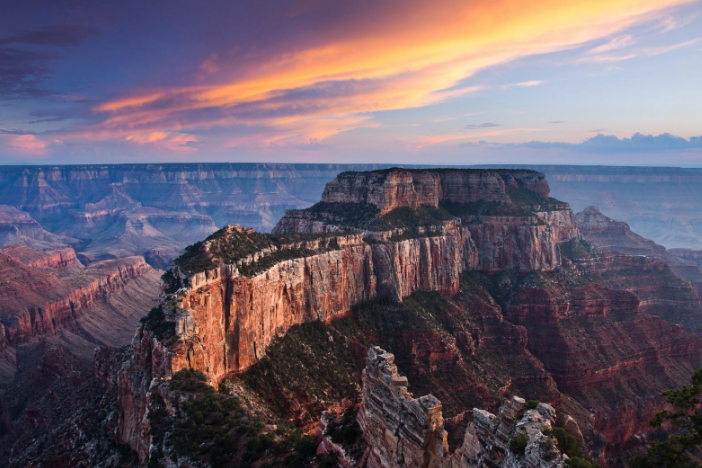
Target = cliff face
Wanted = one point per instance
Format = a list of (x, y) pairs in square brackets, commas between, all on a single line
[(52, 291), (524, 243), (227, 319), (395, 188), (606, 233), (512, 220)]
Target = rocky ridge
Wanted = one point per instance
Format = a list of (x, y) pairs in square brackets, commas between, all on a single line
[(668, 298), (38, 302), (403, 431)]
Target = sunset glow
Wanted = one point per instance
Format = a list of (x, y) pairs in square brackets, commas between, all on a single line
[(324, 74)]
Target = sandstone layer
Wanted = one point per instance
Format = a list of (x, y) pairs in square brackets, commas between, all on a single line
[(394, 188)]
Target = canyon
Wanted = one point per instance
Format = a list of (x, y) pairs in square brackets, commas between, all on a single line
[(54, 313), (487, 292), (659, 203), (155, 210), (151, 210), (582, 337)]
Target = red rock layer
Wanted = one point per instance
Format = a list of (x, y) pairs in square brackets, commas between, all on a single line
[(228, 320), (396, 188), (604, 350), (523, 243), (53, 289), (57, 260), (669, 297)]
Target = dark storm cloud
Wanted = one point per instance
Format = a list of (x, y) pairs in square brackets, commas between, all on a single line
[(57, 35), (15, 131), (483, 125), (25, 62), (610, 144), (22, 73)]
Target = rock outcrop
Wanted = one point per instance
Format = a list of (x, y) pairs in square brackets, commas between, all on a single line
[(403, 431), (224, 320), (606, 233), (538, 291), (394, 188), (512, 220), (663, 204), (19, 228)]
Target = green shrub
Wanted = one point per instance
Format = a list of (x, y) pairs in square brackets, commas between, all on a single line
[(567, 443), (532, 404), (155, 321), (518, 443)]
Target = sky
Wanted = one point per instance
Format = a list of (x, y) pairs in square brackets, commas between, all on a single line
[(355, 81)]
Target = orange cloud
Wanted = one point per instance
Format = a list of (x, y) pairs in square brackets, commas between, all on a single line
[(416, 57), (166, 140), (26, 144)]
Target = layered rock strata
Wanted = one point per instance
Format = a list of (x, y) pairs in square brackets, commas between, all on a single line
[(512, 220), (151, 210), (223, 320), (403, 431), (44, 292), (671, 296), (395, 188)]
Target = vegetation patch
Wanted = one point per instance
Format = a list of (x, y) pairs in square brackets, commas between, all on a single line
[(485, 208), (367, 216), (228, 245), (155, 321), (577, 249), (409, 218), (518, 443), (346, 430), (358, 215), (311, 362), (171, 281), (217, 430)]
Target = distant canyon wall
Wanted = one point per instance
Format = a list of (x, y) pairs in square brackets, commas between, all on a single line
[(663, 204)]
